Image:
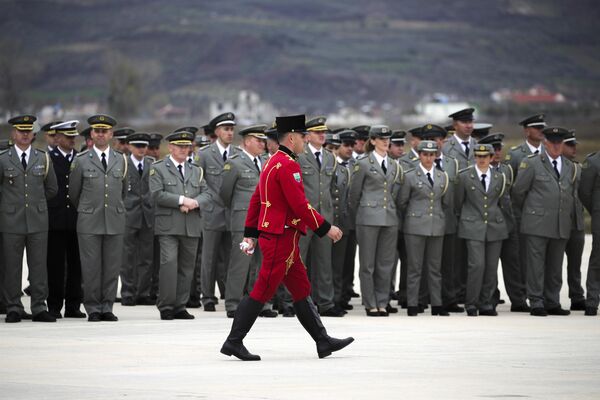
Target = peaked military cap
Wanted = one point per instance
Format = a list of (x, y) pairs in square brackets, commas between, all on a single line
[(291, 123), (337, 130), (431, 131), (555, 133), (271, 133), (347, 136), (463, 115), (102, 121), (362, 132), (222, 119), (181, 138), (428, 146), (139, 138), (570, 137), (190, 129), (201, 141), (416, 132), (68, 128), (155, 139), (123, 133), (87, 132), (380, 131), (450, 129), (494, 138), (5, 144), (481, 129), (47, 128), (536, 121), (333, 138), (483, 149), (398, 137), (317, 125), (255, 130), (23, 122), (208, 130)]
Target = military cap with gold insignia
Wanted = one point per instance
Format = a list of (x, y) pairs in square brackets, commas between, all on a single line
[(154, 142), (139, 138), (463, 115), (123, 133), (180, 138), (570, 139), (291, 123), (317, 125), (102, 121), (333, 139), (427, 146), (255, 130), (535, 121), (480, 130), (398, 137), (47, 128), (201, 141), (208, 130), (191, 129), (555, 134), (222, 119), (380, 131), (416, 132), (362, 132), (22, 122), (68, 128), (494, 139), (483, 149), (347, 136), (431, 131)]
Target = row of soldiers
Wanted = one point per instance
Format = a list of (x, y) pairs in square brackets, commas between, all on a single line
[(171, 228)]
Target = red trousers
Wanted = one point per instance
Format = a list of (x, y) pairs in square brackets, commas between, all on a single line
[(281, 263)]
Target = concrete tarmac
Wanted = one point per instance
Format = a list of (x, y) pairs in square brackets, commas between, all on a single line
[(458, 357)]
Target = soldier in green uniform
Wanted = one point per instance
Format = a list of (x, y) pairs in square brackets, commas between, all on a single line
[(97, 187), (543, 195), (410, 159), (27, 180), (460, 144), (120, 139), (49, 135), (532, 130)]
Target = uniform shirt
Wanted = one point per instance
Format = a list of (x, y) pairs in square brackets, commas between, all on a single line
[(431, 172), (488, 177), (27, 153), (252, 158), (468, 140), (99, 153), (533, 149), (176, 164), (313, 150), (71, 154), (137, 162), (222, 149), (558, 162), (381, 159)]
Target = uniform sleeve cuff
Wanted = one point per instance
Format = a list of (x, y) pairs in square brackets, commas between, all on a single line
[(251, 232), (323, 229)]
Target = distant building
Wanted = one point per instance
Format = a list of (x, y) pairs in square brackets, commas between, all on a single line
[(350, 117), (535, 95), (434, 109), (248, 108)]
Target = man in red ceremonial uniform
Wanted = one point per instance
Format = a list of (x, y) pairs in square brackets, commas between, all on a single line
[(280, 213)]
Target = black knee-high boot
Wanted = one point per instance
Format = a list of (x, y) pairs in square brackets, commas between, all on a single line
[(245, 315), (307, 313)]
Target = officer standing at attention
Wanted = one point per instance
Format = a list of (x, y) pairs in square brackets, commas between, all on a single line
[(97, 187), (136, 271), (410, 159), (50, 135), (63, 248), (280, 213), (178, 189), (397, 142), (318, 173), (27, 180), (422, 202), (216, 238), (478, 192), (240, 177), (373, 197), (460, 144), (543, 193), (532, 129), (120, 139)]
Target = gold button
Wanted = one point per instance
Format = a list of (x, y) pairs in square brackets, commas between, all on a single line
[(431, 194), (485, 222), (485, 206), (385, 199), (384, 190), (106, 205), (106, 195), (68, 206), (67, 186), (25, 194), (485, 214), (106, 176), (106, 185), (384, 206), (25, 185), (431, 215), (485, 197), (26, 205)]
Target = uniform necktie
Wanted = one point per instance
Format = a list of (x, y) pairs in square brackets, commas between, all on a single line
[(556, 168), (429, 179), (68, 157), (140, 169), (483, 181), (383, 167), (180, 168), (256, 164), (225, 156), (344, 163), (318, 157), (466, 144), (23, 162), (438, 163), (104, 161), (536, 152), (191, 160)]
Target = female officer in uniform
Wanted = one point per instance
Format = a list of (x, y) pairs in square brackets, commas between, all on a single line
[(374, 190)]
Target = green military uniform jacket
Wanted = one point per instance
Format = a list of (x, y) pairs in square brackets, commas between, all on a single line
[(138, 201), (589, 188), (341, 212), (506, 201), (319, 182), (450, 166), (23, 192), (409, 160), (453, 148), (516, 154), (98, 194)]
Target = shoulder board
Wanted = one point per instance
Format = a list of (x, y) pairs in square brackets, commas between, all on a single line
[(233, 156), (514, 147), (460, 171), (406, 171), (40, 150), (362, 156), (3, 151), (82, 153), (205, 148), (194, 164), (591, 154), (151, 159), (158, 161), (532, 155)]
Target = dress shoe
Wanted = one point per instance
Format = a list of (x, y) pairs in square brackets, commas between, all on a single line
[(26, 315), (591, 311), (128, 301), (383, 312), (74, 314), (403, 304), (412, 311), (394, 296), (183, 314), (355, 295), (13, 317), (55, 314), (519, 308), (230, 314), (145, 301), (288, 312), (374, 313), (558, 311), (538, 312), (108, 316), (439, 310), (268, 314), (421, 309), (333, 312), (95, 317), (193, 303), (501, 301), (578, 305), (209, 307), (345, 306), (454, 308), (472, 312), (44, 316), (489, 313), (390, 309), (27, 291), (166, 315)]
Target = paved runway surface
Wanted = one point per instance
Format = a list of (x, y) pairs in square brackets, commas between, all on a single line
[(457, 357)]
